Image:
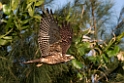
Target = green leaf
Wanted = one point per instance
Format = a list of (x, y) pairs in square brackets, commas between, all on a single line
[(29, 5), (7, 37), (105, 59), (6, 9), (82, 47), (38, 3), (3, 42), (92, 58), (14, 4), (17, 25), (79, 76), (113, 52), (30, 11), (10, 23), (77, 39), (29, 1), (24, 27), (86, 31), (81, 51), (37, 17), (68, 16), (116, 49), (20, 26), (24, 21), (77, 64)]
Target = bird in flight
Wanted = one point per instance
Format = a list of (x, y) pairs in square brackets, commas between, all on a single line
[(54, 40)]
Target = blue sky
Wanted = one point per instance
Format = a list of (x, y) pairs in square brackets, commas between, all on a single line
[(117, 6)]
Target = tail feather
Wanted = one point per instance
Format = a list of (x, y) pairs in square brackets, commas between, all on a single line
[(33, 61)]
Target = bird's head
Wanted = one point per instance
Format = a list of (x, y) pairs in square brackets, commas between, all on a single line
[(68, 57)]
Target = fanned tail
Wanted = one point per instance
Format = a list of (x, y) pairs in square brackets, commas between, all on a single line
[(33, 61)]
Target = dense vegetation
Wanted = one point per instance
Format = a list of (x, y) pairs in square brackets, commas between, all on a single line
[(97, 45)]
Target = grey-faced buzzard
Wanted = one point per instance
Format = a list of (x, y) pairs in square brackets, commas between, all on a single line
[(54, 40)]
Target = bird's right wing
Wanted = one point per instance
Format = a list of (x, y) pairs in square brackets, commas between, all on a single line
[(48, 33)]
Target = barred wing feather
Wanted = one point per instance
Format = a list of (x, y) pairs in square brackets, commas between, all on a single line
[(49, 32)]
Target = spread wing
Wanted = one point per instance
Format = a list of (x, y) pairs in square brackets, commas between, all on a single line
[(66, 37), (48, 33)]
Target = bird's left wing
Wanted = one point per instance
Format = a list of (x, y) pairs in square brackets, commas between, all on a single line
[(66, 36)]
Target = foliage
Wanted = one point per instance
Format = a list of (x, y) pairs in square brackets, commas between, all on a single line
[(95, 59)]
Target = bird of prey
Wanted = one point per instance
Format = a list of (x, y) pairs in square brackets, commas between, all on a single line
[(54, 40)]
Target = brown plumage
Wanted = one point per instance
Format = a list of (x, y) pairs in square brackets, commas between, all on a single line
[(53, 40)]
